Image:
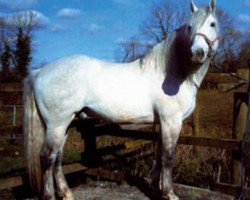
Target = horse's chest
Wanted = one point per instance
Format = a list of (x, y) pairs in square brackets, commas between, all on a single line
[(187, 106), (186, 100), (183, 102)]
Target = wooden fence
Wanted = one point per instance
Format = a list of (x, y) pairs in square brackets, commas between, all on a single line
[(132, 132)]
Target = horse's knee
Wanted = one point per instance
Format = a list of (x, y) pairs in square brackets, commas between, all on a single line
[(54, 139), (168, 158), (47, 159)]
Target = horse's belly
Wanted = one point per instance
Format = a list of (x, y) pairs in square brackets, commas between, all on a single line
[(121, 113), (123, 97)]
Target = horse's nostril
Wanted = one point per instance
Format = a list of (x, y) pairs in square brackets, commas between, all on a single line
[(200, 53)]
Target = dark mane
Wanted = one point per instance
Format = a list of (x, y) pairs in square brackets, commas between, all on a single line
[(179, 61), (172, 55)]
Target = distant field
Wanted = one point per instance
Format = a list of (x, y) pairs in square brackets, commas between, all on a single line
[(215, 113)]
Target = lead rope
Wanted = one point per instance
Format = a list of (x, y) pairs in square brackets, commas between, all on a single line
[(219, 68)]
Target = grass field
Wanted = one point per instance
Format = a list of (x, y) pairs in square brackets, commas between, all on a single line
[(215, 113)]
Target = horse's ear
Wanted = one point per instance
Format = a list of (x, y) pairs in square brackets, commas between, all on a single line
[(193, 6), (213, 5)]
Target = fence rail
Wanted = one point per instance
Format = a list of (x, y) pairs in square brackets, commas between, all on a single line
[(11, 87), (134, 132)]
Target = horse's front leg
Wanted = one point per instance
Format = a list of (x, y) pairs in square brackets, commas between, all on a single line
[(170, 130)]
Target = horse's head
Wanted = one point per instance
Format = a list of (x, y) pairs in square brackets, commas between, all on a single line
[(203, 32)]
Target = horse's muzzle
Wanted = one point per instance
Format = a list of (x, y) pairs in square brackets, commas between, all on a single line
[(198, 56)]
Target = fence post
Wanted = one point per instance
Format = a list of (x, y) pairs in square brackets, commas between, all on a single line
[(196, 121), (13, 134), (90, 155), (14, 115), (241, 97)]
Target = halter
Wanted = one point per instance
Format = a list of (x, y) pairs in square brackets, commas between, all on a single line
[(209, 42)]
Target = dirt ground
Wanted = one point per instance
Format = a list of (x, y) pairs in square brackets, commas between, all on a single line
[(104, 190), (107, 191)]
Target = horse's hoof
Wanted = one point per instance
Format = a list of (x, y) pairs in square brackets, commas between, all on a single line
[(171, 196), (67, 195)]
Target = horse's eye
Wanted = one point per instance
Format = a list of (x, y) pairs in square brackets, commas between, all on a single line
[(213, 24), (189, 27)]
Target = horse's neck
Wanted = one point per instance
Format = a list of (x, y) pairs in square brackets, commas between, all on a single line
[(166, 61), (155, 59), (198, 77)]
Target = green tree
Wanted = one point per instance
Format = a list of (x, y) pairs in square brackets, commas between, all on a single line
[(22, 53), (5, 74), (15, 42)]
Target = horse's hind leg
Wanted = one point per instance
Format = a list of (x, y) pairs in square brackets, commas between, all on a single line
[(62, 186), (54, 140)]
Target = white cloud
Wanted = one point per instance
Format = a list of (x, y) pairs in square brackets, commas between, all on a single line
[(57, 28), (95, 28), (244, 18), (17, 4), (38, 18), (69, 13), (41, 20)]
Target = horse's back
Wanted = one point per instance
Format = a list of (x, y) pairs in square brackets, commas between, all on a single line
[(113, 90), (61, 85)]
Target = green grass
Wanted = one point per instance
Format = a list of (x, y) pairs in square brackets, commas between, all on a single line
[(71, 156), (11, 157), (11, 164), (215, 113)]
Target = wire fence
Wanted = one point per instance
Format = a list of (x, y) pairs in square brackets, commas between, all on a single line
[(10, 115)]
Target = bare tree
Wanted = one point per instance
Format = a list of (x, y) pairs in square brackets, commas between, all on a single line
[(230, 42), (27, 21), (131, 50), (163, 19), (244, 54)]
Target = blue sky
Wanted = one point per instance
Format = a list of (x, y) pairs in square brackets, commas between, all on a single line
[(94, 27)]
